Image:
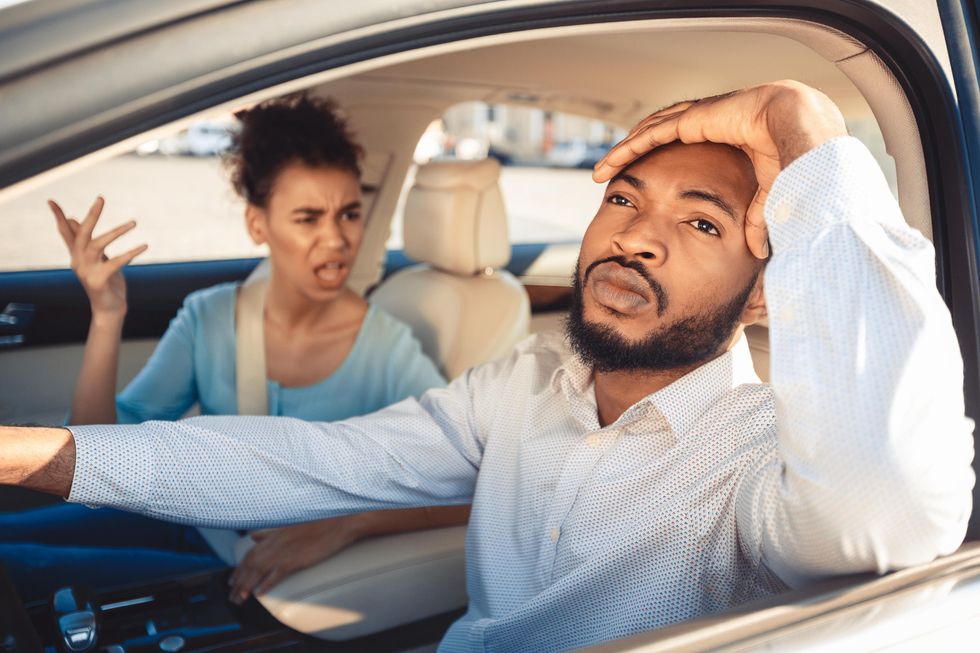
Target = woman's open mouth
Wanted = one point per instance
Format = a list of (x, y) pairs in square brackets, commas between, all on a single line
[(331, 273)]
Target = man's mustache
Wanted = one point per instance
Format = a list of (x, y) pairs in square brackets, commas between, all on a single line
[(655, 286)]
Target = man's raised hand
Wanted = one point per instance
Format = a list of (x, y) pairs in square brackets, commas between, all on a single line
[(773, 124)]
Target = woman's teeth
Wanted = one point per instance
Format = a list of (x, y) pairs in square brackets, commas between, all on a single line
[(329, 272)]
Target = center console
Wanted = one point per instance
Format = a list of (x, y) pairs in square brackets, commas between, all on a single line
[(177, 615), (190, 613)]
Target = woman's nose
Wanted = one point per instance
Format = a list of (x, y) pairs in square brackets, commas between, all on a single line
[(331, 236), (641, 239)]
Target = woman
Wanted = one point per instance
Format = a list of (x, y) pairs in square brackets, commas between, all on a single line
[(329, 355)]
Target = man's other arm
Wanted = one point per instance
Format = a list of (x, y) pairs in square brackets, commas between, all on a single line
[(873, 467)]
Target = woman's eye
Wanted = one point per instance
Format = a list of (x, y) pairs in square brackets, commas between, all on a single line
[(618, 200), (706, 226)]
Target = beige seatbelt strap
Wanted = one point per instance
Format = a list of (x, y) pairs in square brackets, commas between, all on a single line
[(250, 385), (250, 374)]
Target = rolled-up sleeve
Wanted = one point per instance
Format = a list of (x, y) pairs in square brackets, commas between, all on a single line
[(872, 470)]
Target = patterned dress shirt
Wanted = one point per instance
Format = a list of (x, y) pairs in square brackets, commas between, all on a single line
[(715, 490)]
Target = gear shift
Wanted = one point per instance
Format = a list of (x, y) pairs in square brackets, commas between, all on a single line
[(75, 621)]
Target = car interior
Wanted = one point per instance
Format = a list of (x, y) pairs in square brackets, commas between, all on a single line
[(469, 295)]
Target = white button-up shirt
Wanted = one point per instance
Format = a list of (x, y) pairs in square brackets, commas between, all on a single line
[(712, 491)]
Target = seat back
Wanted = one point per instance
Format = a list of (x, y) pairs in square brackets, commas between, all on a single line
[(461, 305)]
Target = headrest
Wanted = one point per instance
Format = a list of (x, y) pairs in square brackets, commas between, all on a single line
[(455, 218)]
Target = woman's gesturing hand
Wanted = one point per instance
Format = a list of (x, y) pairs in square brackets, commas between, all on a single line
[(100, 276), (772, 123)]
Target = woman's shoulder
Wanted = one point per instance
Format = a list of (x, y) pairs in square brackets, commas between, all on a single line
[(381, 325), (215, 297)]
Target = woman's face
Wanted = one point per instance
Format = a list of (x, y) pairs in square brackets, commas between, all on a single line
[(313, 225)]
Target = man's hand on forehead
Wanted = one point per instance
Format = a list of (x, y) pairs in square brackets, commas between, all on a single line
[(773, 124)]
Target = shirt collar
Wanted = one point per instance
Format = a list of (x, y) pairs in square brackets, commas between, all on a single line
[(689, 397), (681, 403)]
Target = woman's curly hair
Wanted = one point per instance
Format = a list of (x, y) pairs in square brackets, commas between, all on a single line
[(296, 128)]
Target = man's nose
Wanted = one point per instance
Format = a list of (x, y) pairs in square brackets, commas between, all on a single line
[(641, 239)]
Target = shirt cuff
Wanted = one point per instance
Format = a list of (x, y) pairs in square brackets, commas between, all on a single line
[(836, 183), (106, 471)]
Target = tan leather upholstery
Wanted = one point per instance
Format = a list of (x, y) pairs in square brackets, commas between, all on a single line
[(374, 585), (462, 309), (455, 219)]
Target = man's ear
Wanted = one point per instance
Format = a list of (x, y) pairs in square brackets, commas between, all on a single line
[(257, 223), (755, 308)]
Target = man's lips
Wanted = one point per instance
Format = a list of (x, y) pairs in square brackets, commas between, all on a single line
[(621, 289)]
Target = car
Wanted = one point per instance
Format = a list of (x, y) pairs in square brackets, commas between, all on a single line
[(83, 83)]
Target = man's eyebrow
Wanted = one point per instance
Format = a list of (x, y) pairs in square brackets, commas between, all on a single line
[(708, 196), (635, 182)]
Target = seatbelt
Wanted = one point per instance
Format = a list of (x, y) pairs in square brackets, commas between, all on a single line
[(250, 374), (250, 384)]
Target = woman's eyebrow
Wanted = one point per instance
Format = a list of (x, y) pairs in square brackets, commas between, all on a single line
[(708, 196), (309, 210)]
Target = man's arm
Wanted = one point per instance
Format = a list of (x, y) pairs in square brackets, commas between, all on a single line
[(40, 459), (256, 472), (872, 469)]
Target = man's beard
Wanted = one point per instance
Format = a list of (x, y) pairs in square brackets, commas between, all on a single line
[(681, 344)]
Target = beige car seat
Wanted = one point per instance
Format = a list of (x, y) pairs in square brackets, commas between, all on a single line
[(463, 308), (465, 311)]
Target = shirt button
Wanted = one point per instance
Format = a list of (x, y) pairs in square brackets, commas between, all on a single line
[(554, 534), (781, 214), (593, 440)]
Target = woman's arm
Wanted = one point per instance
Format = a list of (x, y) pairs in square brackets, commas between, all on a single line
[(280, 552), (102, 279)]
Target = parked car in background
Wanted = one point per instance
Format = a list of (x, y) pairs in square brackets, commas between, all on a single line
[(83, 82)]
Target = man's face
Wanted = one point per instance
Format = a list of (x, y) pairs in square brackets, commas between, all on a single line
[(664, 272)]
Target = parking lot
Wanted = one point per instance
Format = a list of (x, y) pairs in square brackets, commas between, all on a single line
[(186, 210)]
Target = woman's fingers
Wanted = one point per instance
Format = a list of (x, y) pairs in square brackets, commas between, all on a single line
[(64, 227), (275, 575), (243, 580), (118, 262), (92, 218), (103, 241)]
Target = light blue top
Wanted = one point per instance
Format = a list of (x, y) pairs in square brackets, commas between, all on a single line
[(194, 363)]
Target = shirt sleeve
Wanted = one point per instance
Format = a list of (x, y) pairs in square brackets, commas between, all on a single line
[(165, 388), (872, 467), (255, 472)]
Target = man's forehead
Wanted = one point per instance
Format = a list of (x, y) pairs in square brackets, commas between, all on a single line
[(714, 164)]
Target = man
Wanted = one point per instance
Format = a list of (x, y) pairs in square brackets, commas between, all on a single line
[(637, 474)]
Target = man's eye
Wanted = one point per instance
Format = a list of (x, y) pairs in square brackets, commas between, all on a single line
[(618, 200), (351, 216), (310, 219), (706, 226)]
